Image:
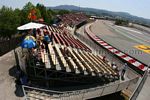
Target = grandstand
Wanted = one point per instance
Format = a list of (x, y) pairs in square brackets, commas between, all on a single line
[(70, 55), (70, 69), (72, 19)]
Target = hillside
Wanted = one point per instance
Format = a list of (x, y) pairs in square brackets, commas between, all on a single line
[(101, 12)]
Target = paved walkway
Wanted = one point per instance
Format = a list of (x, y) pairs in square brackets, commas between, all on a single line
[(8, 89)]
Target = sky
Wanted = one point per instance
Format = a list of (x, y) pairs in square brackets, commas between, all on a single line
[(135, 7)]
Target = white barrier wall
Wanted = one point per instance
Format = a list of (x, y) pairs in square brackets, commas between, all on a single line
[(110, 89), (99, 91)]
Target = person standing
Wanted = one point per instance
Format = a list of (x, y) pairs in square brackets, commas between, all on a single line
[(51, 38), (46, 41), (123, 71), (34, 32)]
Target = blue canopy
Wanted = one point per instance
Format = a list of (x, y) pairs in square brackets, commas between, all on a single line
[(28, 44)]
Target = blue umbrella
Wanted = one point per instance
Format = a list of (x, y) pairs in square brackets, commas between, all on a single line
[(28, 44)]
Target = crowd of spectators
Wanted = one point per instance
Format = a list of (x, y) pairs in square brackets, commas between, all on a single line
[(72, 19)]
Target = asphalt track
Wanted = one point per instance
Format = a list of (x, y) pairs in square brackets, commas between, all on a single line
[(123, 38)]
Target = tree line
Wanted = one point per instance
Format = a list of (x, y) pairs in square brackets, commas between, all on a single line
[(121, 22), (10, 18)]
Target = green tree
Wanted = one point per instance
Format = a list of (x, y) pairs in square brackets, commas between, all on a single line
[(26, 10), (9, 21), (121, 22), (61, 12), (45, 14)]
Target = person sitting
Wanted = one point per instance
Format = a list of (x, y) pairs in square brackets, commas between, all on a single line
[(115, 67), (104, 58), (40, 37), (39, 58), (42, 46), (34, 52)]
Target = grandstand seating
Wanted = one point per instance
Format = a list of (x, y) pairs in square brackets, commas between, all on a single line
[(62, 59), (77, 61), (88, 67), (66, 39), (53, 58), (55, 29), (69, 60), (69, 41), (72, 19), (45, 59)]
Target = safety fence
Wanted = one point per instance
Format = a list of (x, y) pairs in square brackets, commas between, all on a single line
[(139, 87), (9, 44), (31, 92)]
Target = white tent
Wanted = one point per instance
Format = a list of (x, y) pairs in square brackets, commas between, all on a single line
[(30, 25)]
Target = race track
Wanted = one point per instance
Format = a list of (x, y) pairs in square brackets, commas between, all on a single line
[(129, 40)]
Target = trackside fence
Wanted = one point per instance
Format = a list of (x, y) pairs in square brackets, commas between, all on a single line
[(139, 87), (7, 45), (81, 94)]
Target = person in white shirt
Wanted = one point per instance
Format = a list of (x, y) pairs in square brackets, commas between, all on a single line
[(114, 66)]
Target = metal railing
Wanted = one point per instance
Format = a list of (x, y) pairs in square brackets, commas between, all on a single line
[(85, 93), (8, 45), (139, 86)]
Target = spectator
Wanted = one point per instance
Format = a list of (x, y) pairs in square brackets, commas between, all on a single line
[(39, 58), (34, 32), (24, 80), (104, 58), (46, 38), (42, 46), (46, 41), (124, 70), (34, 52), (114, 66), (113, 63), (51, 38), (40, 37), (38, 31)]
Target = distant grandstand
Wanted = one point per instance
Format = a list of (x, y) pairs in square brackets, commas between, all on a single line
[(70, 69), (73, 19)]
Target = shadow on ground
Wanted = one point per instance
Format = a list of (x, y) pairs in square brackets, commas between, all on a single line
[(114, 96), (14, 73)]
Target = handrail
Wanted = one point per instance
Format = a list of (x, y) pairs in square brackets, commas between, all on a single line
[(24, 86), (77, 92), (139, 87)]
